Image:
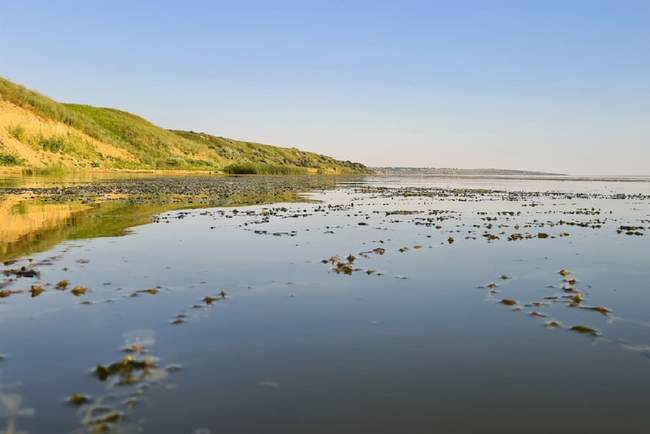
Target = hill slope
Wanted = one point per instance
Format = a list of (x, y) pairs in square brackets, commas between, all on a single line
[(38, 132)]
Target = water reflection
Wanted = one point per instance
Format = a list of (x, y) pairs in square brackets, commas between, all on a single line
[(39, 213), (401, 329), (11, 409), (30, 225)]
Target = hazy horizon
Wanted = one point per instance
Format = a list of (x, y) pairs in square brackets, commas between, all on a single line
[(630, 175), (552, 87)]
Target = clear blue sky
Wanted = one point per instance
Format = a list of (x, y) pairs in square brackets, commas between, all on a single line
[(547, 85)]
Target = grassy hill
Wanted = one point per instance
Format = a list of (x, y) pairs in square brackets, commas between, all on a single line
[(40, 133)]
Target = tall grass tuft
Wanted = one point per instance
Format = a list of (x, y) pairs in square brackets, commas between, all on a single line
[(262, 169), (52, 144), (18, 133)]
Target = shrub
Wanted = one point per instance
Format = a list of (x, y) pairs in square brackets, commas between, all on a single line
[(261, 169), (174, 162), (52, 144)]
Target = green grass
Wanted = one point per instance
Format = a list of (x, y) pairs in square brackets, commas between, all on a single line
[(263, 169), (18, 133), (152, 147), (251, 155), (10, 160), (51, 144)]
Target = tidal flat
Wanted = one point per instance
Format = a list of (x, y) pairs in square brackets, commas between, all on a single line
[(204, 305)]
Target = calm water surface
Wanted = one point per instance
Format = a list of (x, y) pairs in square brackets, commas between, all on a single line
[(254, 319)]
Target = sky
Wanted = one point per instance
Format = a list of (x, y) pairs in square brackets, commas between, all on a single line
[(560, 86)]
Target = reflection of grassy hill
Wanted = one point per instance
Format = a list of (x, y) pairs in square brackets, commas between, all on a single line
[(38, 132), (24, 222), (30, 225), (34, 226)]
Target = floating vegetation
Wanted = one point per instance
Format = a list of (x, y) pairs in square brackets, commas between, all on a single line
[(79, 290), (571, 297), (345, 268), (101, 420), (576, 299), (209, 299), (600, 309), (180, 319), (126, 379), (129, 370), (23, 271), (4, 293), (631, 230), (36, 290), (78, 399), (585, 330)]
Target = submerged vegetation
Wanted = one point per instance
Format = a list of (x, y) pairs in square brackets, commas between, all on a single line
[(38, 132)]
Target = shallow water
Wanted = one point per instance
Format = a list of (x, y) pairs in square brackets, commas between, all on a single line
[(413, 337)]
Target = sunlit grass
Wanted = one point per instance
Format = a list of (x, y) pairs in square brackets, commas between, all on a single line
[(41, 132)]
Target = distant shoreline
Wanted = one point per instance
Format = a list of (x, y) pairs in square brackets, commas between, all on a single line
[(499, 174), (436, 171)]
